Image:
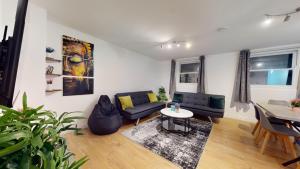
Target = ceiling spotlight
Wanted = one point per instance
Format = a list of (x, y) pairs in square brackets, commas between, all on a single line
[(188, 45), (178, 45), (287, 18), (169, 46), (267, 21)]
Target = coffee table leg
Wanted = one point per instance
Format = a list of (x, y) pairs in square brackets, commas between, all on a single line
[(162, 120), (189, 125), (185, 125)]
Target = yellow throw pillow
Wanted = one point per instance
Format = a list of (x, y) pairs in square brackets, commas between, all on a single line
[(126, 102), (152, 97)]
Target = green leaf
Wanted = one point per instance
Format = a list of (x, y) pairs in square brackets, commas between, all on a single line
[(37, 142), (11, 111), (39, 108), (14, 136), (43, 157), (31, 139), (24, 102), (14, 148), (25, 161), (79, 163)]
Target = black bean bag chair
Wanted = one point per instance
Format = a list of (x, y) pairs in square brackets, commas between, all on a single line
[(105, 118)]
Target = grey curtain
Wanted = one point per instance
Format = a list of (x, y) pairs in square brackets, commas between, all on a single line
[(172, 87), (241, 91), (298, 86), (201, 75)]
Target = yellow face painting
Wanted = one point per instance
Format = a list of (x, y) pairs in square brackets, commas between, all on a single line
[(78, 58)]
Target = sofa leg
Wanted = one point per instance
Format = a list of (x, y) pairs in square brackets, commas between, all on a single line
[(210, 120), (137, 121)]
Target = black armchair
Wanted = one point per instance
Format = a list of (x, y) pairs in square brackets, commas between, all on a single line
[(105, 118)]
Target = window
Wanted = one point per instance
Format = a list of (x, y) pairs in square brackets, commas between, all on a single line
[(189, 72), (276, 69)]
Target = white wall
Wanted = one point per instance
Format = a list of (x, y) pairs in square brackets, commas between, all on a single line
[(165, 72), (220, 75), (1, 16), (31, 70), (116, 69), (29, 78), (8, 10)]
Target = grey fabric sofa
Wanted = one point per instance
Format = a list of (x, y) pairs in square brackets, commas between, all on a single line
[(142, 106), (207, 105)]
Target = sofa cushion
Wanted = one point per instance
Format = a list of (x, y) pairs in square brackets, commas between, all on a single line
[(126, 102), (177, 98), (196, 99), (143, 107), (209, 109), (216, 102), (152, 97), (139, 98)]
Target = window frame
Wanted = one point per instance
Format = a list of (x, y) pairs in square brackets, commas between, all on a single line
[(294, 52), (184, 63)]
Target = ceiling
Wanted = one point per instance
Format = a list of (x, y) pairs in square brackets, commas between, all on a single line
[(141, 25)]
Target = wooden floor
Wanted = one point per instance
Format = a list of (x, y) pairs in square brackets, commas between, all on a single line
[(230, 146)]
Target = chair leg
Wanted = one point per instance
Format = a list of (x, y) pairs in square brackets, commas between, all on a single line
[(255, 128), (282, 141), (265, 142), (293, 149), (259, 129), (291, 146), (260, 135)]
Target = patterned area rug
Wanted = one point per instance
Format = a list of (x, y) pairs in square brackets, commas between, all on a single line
[(184, 151)]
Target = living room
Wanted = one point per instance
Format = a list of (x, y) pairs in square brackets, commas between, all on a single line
[(136, 46)]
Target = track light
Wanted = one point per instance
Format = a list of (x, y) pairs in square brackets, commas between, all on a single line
[(287, 16), (177, 44)]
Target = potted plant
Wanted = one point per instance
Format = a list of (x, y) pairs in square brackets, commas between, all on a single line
[(162, 97), (295, 105), (31, 139)]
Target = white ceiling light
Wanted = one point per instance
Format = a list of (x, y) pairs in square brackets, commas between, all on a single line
[(178, 44), (268, 21), (188, 45), (169, 46)]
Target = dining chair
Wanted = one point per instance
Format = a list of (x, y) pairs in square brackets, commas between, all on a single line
[(256, 127), (273, 120), (280, 131)]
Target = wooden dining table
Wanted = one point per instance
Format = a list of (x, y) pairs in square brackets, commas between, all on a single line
[(284, 113), (280, 112)]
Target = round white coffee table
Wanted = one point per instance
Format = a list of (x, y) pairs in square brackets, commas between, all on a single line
[(169, 123)]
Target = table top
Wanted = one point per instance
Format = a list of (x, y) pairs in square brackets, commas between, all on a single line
[(281, 112), (181, 114)]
